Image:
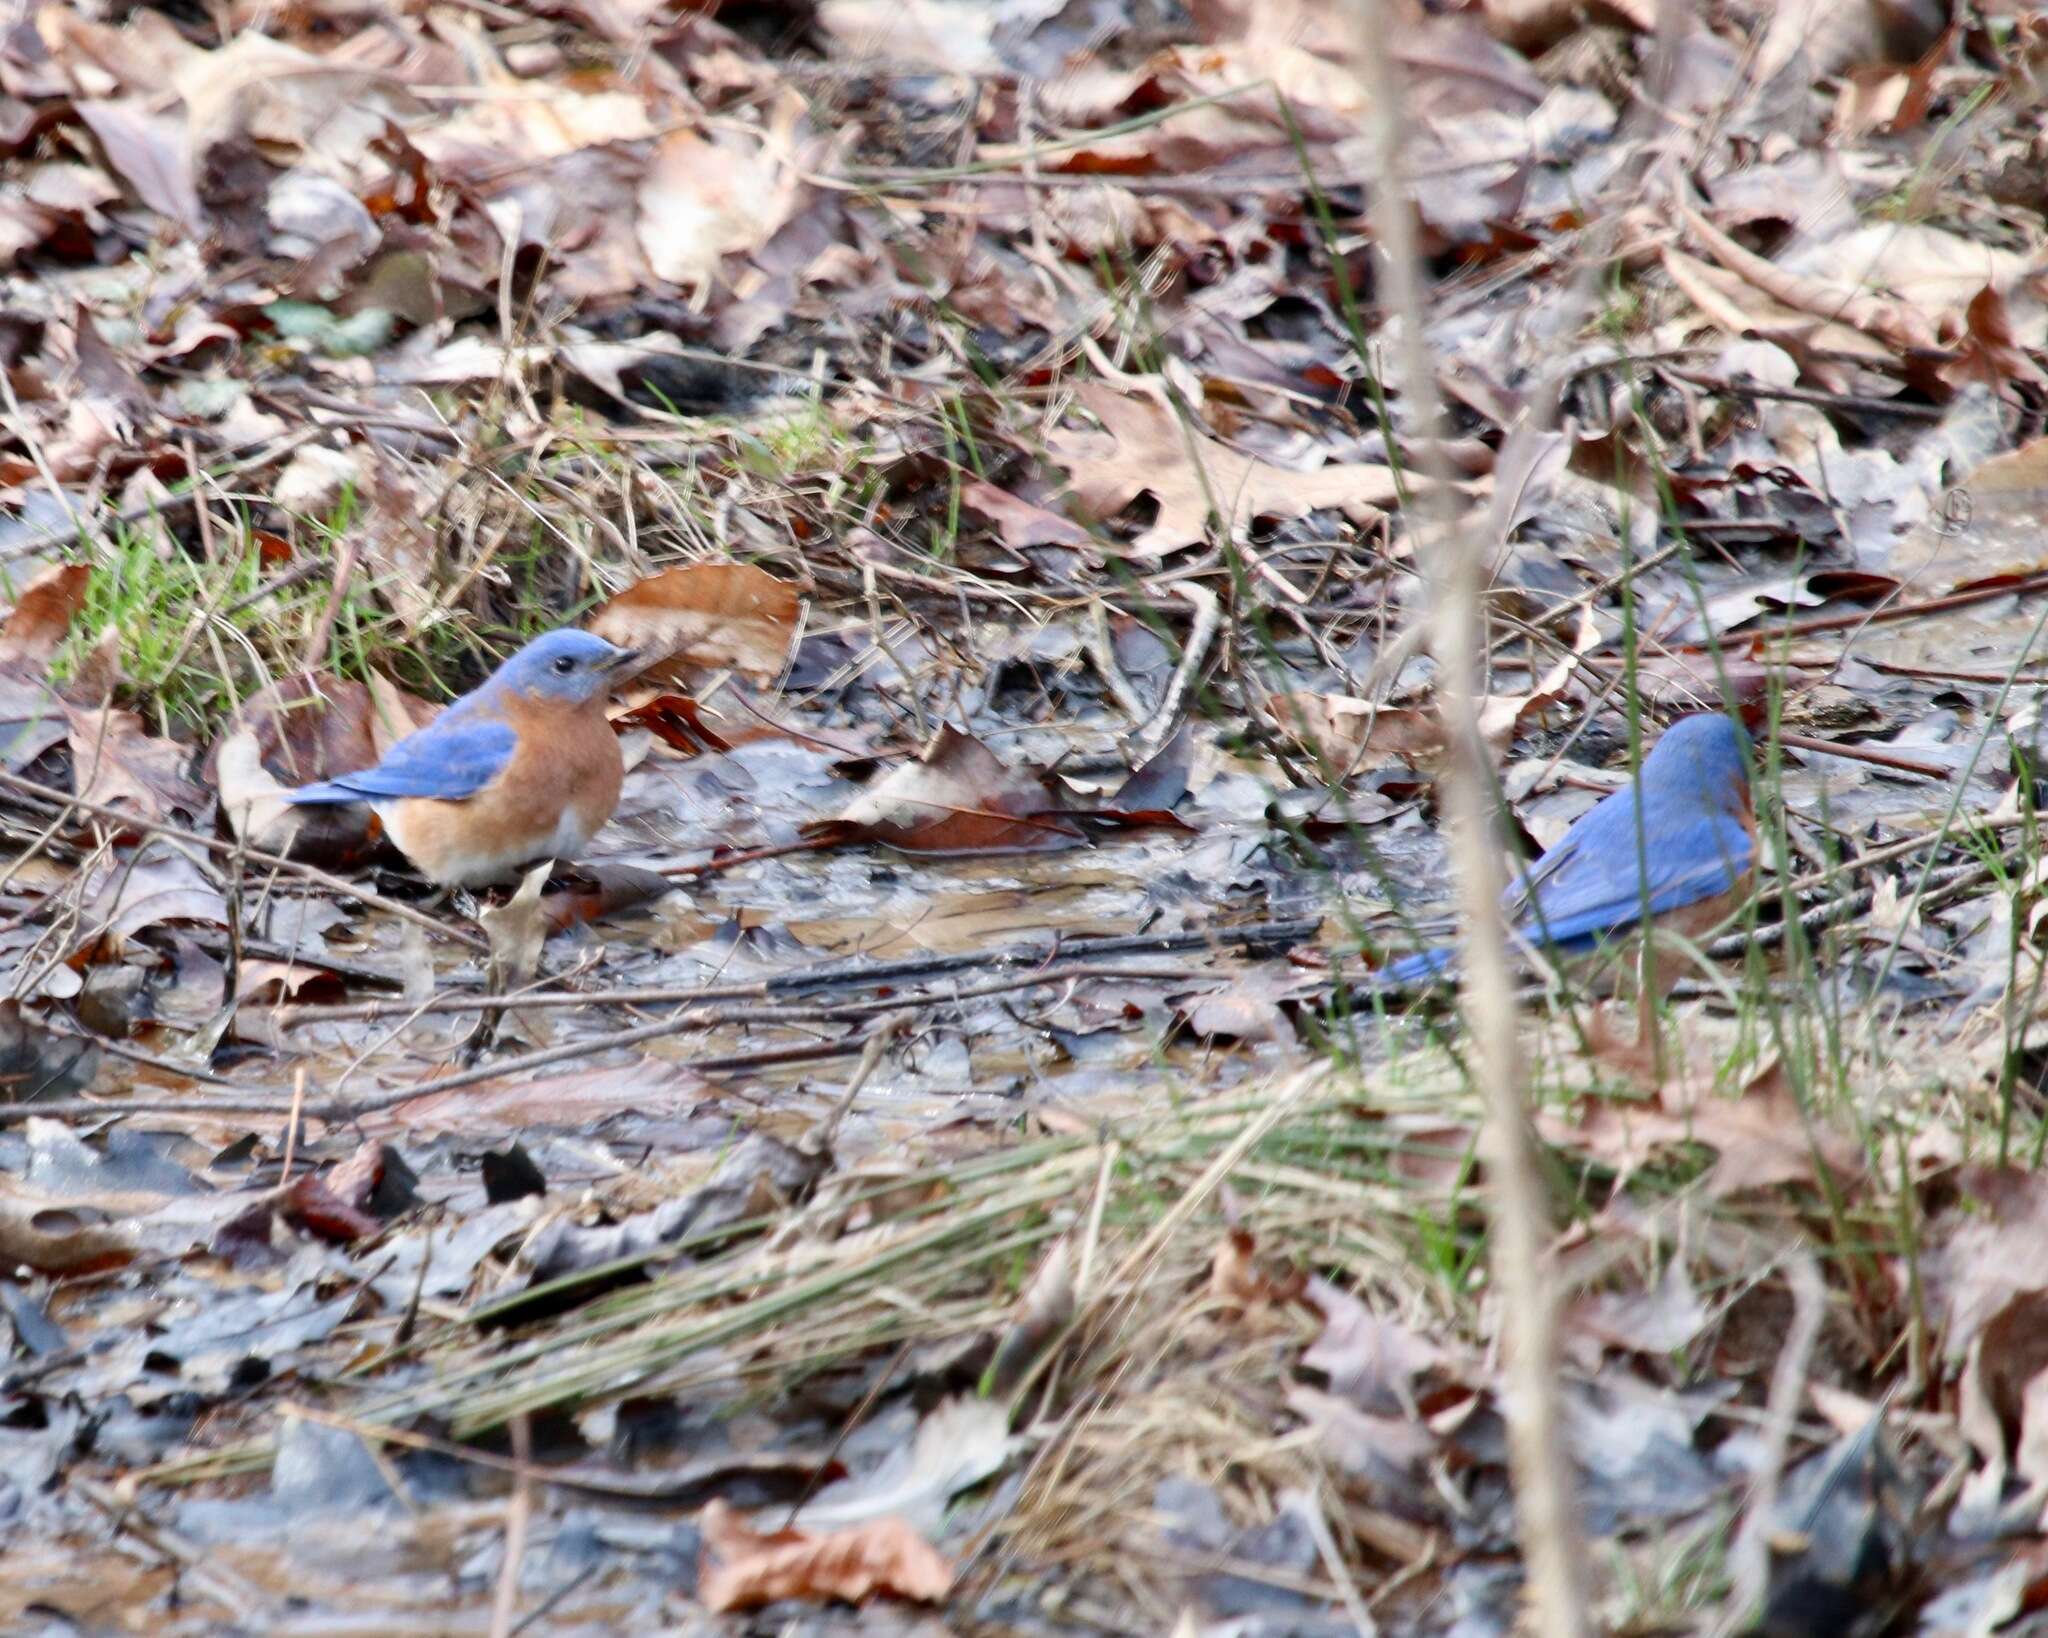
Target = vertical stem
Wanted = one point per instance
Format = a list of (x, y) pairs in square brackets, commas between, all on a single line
[(1522, 1277)]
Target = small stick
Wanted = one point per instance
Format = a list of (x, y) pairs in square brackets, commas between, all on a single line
[(291, 1129), (518, 1515), (341, 1111), (1069, 953), (213, 844), (1749, 1558), (1873, 754), (160, 505), (1208, 620), (819, 1138)]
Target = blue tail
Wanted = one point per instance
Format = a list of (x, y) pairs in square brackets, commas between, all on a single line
[(1423, 965), (328, 790)]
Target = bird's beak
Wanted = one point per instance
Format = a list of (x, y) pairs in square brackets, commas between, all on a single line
[(624, 660)]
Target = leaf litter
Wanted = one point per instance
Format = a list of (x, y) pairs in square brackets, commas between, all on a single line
[(946, 1149)]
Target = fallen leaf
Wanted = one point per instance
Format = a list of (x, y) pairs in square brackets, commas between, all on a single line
[(1145, 448), (41, 619), (704, 614), (680, 723), (1535, 25), (1237, 1281), (1349, 735), (962, 1441), (707, 196), (299, 730), (1040, 1317), (308, 1203), (1838, 293), (1761, 1137), (517, 929), (1983, 1251), (953, 36), (592, 890), (646, 1087), (114, 761), (151, 151), (36, 1062), (395, 523), (957, 797), (1369, 1361), (741, 1568), (154, 884), (1019, 522), (1660, 1320), (55, 1239)]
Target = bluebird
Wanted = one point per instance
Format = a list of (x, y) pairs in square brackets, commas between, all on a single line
[(524, 768), (1697, 841)]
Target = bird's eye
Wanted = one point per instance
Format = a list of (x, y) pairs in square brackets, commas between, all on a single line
[(564, 665)]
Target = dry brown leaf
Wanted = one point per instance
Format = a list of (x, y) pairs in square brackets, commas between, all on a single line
[(1761, 1137), (1237, 1281), (742, 1568), (1740, 308), (647, 1086), (151, 152), (1896, 323), (1659, 1320), (957, 797), (115, 761), (157, 884), (1824, 36), (1984, 1250), (704, 614), (1040, 1316), (953, 36), (1352, 735), (395, 524), (1370, 1361), (56, 1239), (37, 1062), (1145, 449), (40, 620), (705, 197), (299, 730), (1018, 521), (1536, 25)]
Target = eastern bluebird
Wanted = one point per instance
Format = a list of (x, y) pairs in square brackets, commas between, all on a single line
[(524, 768), (1697, 840)]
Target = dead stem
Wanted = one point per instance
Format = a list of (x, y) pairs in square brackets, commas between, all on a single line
[(1524, 1281)]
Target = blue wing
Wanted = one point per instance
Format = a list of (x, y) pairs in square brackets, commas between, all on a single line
[(1590, 884), (448, 760)]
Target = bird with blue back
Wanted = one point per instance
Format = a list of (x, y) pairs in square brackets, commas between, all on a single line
[(524, 768), (1679, 839)]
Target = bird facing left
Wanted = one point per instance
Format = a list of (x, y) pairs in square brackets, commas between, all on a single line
[(526, 767)]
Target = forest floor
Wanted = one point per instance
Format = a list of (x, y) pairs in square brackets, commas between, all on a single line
[(944, 1161)]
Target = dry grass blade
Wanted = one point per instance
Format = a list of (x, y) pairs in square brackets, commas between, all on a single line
[(1519, 1203)]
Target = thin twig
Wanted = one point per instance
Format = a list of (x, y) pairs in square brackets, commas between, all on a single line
[(1059, 958), (518, 1517), (1749, 1559), (50, 795), (1551, 1551)]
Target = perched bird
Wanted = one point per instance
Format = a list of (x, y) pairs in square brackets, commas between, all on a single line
[(1696, 839), (524, 768)]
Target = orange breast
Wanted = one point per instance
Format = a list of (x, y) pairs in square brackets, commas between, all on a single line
[(550, 799)]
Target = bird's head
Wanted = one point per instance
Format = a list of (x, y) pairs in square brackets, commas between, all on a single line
[(1707, 753), (565, 667)]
